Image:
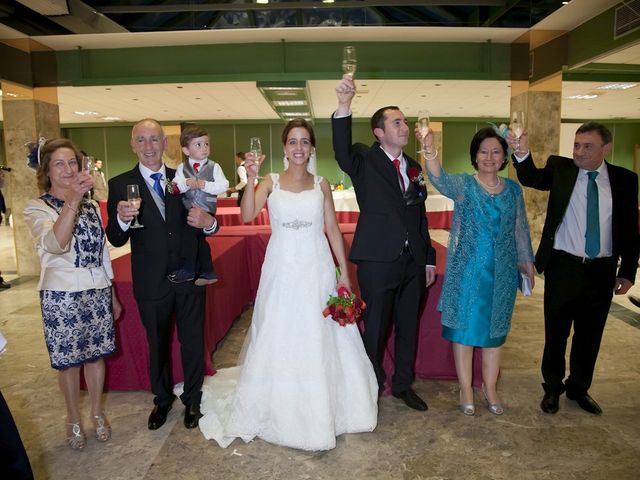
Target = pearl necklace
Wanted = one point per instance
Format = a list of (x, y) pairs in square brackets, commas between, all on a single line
[(489, 187)]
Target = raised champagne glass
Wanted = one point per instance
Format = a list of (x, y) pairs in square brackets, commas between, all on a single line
[(517, 126), (349, 60), (133, 196), (88, 166), (423, 127)]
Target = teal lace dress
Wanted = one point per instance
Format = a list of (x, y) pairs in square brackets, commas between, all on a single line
[(489, 237)]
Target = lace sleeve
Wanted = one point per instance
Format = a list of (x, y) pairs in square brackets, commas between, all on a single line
[(523, 238), (449, 185)]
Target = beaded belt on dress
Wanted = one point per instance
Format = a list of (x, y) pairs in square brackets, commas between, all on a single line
[(297, 224)]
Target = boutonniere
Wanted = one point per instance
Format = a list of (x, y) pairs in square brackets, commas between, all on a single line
[(171, 187), (416, 176)]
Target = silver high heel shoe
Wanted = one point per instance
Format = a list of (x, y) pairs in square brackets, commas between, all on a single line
[(77, 440), (495, 408), (103, 432), (468, 409)]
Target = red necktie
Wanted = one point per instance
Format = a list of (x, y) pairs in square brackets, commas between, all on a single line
[(196, 166), (396, 162)]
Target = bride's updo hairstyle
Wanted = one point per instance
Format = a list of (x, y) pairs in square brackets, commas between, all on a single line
[(298, 123)]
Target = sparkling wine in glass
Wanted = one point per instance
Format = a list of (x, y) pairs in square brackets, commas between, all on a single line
[(517, 126), (133, 196), (423, 126), (88, 166), (255, 147), (349, 60)]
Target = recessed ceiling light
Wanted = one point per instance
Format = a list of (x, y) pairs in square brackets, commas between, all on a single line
[(262, 2), (617, 86), (295, 114), (289, 103), (111, 119), (87, 113), (328, 1), (581, 97)]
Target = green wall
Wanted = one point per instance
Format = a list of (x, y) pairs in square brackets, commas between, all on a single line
[(111, 144)]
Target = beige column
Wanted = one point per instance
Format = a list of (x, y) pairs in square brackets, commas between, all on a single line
[(28, 113), (541, 103)]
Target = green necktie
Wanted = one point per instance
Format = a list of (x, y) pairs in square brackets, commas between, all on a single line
[(592, 244)]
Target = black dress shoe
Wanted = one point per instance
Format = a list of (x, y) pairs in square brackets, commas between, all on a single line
[(586, 403), (158, 416), (634, 300), (192, 415), (4, 285), (550, 402), (411, 399)]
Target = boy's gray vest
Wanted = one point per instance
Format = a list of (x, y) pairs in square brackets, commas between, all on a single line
[(200, 198)]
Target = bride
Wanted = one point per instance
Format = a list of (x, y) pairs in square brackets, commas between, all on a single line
[(302, 379)]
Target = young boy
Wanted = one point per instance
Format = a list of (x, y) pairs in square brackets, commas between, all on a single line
[(200, 180)]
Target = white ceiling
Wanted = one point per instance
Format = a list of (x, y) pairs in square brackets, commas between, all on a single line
[(242, 101)]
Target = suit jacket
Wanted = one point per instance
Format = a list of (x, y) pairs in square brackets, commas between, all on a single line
[(388, 218), (559, 177), (155, 249)]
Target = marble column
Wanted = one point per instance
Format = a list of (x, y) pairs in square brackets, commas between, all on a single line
[(541, 104), (28, 113)]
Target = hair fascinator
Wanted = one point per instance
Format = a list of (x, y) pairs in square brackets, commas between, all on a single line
[(501, 130), (33, 152)]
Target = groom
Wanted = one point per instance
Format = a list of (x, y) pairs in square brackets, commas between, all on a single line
[(391, 246)]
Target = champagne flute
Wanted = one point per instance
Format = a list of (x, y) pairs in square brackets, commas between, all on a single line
[(255, 147), (87, 166), (517, 126), (423, 126), (133, 196), (349, 60)]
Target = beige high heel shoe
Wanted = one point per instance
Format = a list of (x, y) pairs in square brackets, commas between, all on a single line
[(77, 440), (103, 432)]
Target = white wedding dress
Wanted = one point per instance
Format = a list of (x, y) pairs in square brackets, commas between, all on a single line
[(302, 379)]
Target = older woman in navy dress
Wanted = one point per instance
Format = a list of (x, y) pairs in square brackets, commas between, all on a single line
[(489, 248), (78, 304)]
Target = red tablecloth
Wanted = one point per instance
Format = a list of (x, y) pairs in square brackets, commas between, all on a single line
[(128, 368), (238, 253), (227, 202), (230, 216), (435, 219)]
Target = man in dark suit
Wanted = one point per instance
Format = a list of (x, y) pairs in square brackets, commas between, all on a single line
[(391, 245), (155, 251), (591, 223)]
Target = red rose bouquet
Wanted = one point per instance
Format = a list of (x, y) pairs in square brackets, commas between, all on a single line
[(344, 308)]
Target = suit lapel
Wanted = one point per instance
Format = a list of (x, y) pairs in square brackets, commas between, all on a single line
[(387, 169)]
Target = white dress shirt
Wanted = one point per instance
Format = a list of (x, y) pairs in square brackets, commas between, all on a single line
[(571, 234)]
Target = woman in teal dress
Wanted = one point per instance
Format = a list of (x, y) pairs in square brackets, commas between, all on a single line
[(489, 248)]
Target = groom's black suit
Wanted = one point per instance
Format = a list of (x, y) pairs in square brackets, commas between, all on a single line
[(391, 247), (575, 292), (155, 251)]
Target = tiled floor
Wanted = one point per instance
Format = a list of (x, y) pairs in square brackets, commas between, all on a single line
[(439, 444)]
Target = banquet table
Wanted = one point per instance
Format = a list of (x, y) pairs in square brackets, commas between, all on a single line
[(230, 216), (227, 202), (439, 208), (238, 253), (128, 368)]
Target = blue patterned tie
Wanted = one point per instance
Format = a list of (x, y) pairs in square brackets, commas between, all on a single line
[(156, 184), (592, 244)]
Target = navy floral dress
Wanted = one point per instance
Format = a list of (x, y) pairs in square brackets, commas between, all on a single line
[(78, 326)]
